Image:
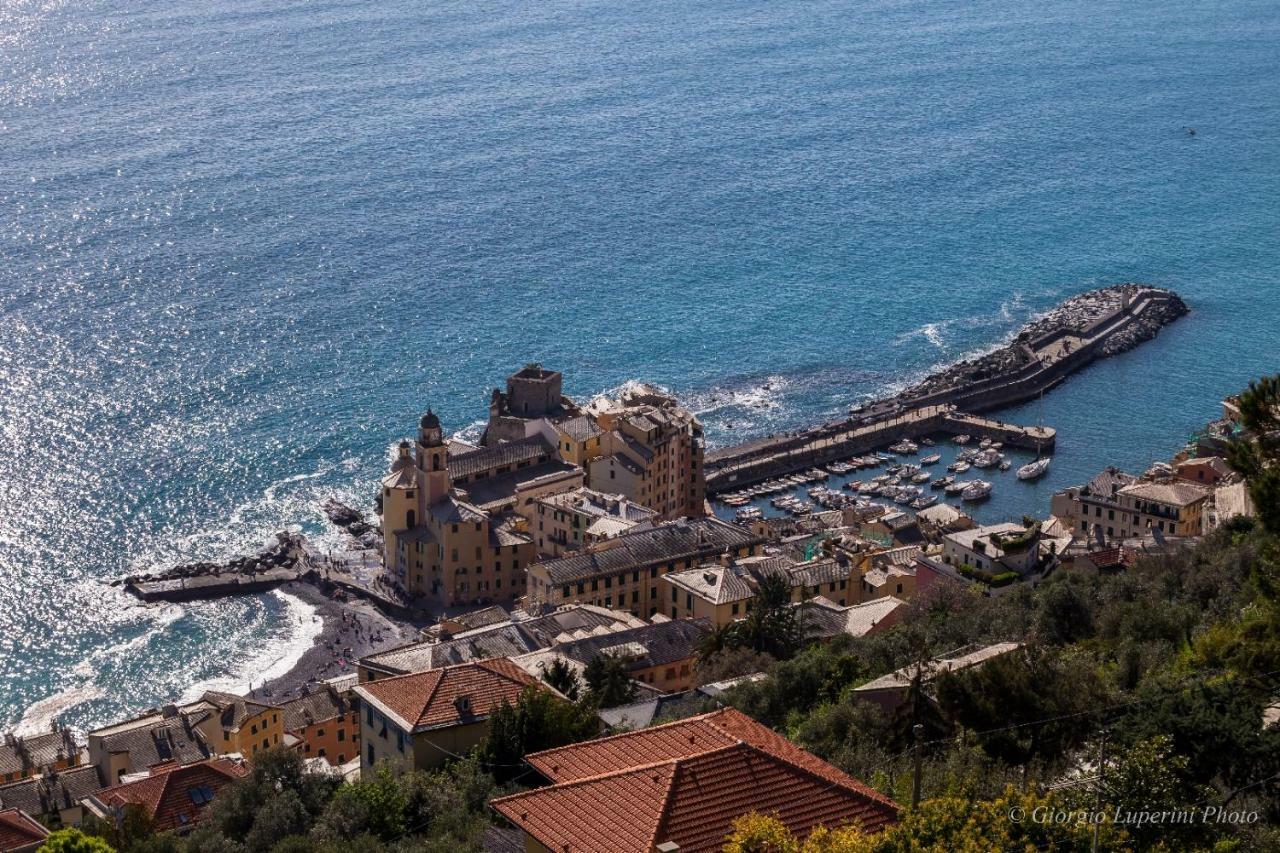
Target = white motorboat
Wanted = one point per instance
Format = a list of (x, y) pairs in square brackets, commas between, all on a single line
[(1032, 470), (978, 490), (931, 459)]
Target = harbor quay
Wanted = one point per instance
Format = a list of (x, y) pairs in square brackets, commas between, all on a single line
[(1093, 325)]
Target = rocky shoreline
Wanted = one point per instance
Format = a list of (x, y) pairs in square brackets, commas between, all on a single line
[(1074, 315)]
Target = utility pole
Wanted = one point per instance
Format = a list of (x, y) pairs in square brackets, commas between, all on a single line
[(1097, 789), (918, 729)]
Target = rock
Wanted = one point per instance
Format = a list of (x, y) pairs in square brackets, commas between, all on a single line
[(340, 514)]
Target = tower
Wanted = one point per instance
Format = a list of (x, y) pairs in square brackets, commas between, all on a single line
[(400, 502), (433, 461)]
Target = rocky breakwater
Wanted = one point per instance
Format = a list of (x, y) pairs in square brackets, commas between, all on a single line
[(285, 559), (1095, 324)]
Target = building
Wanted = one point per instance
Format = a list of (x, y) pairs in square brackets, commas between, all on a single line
[(725, 591), (570, 522), (232, 724), (994, 548), (325, 722), (32, 755), (625, 572), (519, 634), (449, 530), (1095, 504), (533, 395), (893, 529), (174, 798), (1174, 507), (1206, 470), (651, 451), (135, 746), (19, 832), (54, 797), (888, 573), (680, 786), (420, 721), (824, 619), (892, 691), (661, 655)]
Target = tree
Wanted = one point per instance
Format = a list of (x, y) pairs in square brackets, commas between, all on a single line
[(373, 806), (75, 841), (562, 677), (539, 720), (281, 816), (1005, 823), (772, 626), (1258, 455), (609, 681), (1064, 613)]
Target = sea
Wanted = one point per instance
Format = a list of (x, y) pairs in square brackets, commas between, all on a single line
[(245, 244)]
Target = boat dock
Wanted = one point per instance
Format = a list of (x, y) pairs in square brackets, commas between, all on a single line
[(1083, 329)]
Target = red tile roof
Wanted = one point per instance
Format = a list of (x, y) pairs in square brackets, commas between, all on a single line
[(431, 699), (685, 782), (19, 831), (167, 794)]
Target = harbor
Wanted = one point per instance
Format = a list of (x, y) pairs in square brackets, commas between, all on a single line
[(951, 401)]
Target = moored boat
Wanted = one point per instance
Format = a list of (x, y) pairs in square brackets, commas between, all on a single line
[(978, 490), (1035, 469)]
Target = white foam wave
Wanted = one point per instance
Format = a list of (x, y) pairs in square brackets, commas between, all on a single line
[(161, 618), (276, 658), (39, 716)]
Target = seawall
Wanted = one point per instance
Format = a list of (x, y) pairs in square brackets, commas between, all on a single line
[(1082, 329)]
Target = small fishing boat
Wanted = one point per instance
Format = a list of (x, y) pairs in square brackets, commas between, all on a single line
[(927, 442), (942, 482), (957, 487), (985, 443), (978, 490), (1005, 464), (921, 477), (959, 467), (962, 439), (986, 459), (1032, 470), (931, 459), (924, 501), (904, 447)]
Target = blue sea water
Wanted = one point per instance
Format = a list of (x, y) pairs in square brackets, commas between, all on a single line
[(244, 244)]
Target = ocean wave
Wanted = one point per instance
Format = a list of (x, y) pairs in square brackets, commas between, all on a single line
[(40, 716), (277, 656)]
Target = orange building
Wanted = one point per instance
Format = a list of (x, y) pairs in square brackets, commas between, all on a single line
[(325, 723)]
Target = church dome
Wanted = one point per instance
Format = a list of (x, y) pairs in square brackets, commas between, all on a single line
[(430, 421)]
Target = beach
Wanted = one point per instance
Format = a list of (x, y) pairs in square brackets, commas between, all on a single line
[(352, 629)]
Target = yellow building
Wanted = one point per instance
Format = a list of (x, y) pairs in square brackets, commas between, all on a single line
[(651, 451), (448, 527), (234, 724), (1173, 508), (569, 522), (423, 720), (625, 573), (725, 591)]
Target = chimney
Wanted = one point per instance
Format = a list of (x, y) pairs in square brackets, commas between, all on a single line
[(667, 847), (726, 559)]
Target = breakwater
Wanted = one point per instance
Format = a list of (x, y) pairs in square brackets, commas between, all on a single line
[(1092, 325)]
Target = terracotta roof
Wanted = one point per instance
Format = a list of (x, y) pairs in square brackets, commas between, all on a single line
[(822, 617), (434, 699), (176, 797), (685, 782), (154, 739), (19, 831)]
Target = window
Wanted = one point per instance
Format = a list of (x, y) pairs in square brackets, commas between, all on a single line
[(369, 752), (200, 795), (399, 740), (735, 608), (368, 713), (319, 732), (653, 592), (253, 730), (342, 735), (266, 744)]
